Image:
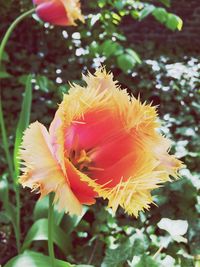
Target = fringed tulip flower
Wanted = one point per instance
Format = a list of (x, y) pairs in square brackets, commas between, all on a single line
[(101, 143), (59, 12)]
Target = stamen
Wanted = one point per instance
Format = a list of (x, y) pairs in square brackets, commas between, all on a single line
[(79, 122), (90, 168)]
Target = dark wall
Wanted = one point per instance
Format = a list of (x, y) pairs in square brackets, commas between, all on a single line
[(149, 30)]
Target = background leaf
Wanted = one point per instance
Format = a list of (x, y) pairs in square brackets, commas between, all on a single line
[(174, 22), (41, 211), (176, 228), (34, 259), (23, 121), (39, 231), (148, 9)]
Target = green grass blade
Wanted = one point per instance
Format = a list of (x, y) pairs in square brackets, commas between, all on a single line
[(23, 122)]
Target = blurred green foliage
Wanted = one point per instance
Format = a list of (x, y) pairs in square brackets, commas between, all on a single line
[(56, 55)]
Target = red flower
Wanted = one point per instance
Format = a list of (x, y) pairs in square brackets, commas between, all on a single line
[(101, 143), (59, 12)]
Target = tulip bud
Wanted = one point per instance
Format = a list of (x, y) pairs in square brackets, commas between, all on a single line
[(59, 12)]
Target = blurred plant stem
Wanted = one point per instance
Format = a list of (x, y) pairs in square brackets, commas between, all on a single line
[(4, 132), (50, 230), (157, 252)]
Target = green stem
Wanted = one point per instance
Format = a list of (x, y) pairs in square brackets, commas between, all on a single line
[(10, 30), (50, 230), (3, 128)]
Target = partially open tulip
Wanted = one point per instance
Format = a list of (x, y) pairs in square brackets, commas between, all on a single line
[(59, 12), (101, 143)]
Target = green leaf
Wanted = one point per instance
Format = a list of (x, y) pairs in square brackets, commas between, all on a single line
[(23, 79), (168, 261), (10, 210), (174, 22), (134, 55), (4, 217), (176, 228), (101, 3), (146, 261), (110, 48), (126, 62), (4, 190), (140, 243), (119, 4), (94, 19), (167, 3), (4, 74), (148, 9), (11, 214), (34, 259), (70, 222), (39, 231), (117, 257), (197, 263), (23, 121), (160, 14), (41, 211), (135, 14), (41, 208), (44, 83), (5, 56)]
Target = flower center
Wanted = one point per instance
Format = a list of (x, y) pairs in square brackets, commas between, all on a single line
[(80, 159)]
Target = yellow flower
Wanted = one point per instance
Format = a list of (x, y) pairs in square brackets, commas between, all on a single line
[(101, 143)]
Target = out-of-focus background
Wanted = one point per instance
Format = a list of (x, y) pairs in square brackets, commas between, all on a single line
[(151, 54)]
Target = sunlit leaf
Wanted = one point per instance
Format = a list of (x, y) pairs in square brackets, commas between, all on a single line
[(148, 9), (34, 259), (176, 228), (160, 14), (168, 261), (94, 19), (174, 22)]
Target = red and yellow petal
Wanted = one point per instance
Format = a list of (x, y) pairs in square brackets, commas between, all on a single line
[(59, 12), (84, 193), (53, 12), (126, 157), (73, 11), (129, 157), (94, 129), (41, 170)]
